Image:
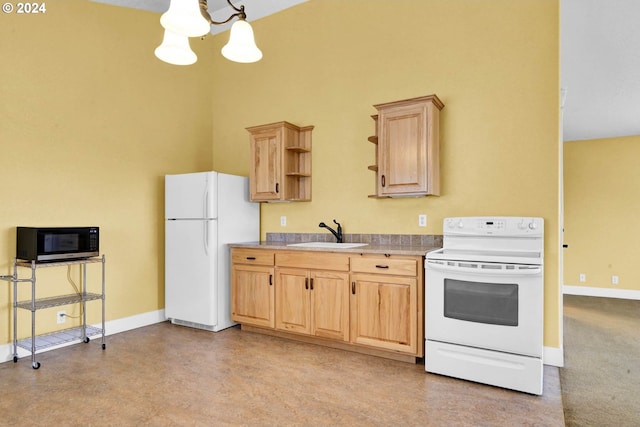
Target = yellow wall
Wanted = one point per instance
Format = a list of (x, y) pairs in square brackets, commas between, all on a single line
[(494, 64), (90, 121), (602, 184)]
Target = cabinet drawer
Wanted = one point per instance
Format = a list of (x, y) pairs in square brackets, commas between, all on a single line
[(313, 260), (252, 256), (386, 265)]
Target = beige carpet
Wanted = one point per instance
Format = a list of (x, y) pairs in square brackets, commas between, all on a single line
[(601, 377)]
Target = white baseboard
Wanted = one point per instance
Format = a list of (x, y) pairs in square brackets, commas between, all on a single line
[(111, 327), (553, 356), (601, 292), (134, 322)]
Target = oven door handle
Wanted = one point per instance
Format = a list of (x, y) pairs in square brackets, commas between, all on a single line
[(484, 268)]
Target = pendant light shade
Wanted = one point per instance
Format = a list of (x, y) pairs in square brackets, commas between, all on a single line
[(184, 18), (241, 46), (175, 49), (191, 18)]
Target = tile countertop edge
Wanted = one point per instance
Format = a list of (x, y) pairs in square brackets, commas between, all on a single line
[(369, 249)]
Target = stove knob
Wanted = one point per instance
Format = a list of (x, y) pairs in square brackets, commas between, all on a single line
[(533, 225), (522, 225), (460, 224)]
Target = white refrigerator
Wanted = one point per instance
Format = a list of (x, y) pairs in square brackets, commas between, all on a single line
[(203, 213)]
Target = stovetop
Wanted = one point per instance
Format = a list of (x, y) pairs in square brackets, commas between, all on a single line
[(517, 240)]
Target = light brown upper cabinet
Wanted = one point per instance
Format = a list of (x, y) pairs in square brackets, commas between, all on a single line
[(280, 162), (408, 147)]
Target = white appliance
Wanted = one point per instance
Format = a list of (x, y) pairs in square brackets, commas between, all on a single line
[(203, 213), (484, 296)]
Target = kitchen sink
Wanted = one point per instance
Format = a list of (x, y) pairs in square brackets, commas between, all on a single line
[(330, 245)]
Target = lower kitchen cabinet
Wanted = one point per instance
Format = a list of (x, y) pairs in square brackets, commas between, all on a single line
[(313, 302), (252, 290), (386, 303), (371, 303), (384, 312)]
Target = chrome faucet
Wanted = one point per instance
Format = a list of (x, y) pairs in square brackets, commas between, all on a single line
[(338, 233)]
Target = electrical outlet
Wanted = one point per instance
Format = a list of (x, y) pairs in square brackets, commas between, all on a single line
[(283, 221), (422, 220), (61, 317), (614, 280), (583, 277)]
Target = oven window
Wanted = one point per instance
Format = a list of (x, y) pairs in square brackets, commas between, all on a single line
[(492, 303)]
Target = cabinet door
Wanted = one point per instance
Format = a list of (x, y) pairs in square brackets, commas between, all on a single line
[(266, 165), (252, 295), (330, 304), (293, 300), (402, 150), (384, 311)]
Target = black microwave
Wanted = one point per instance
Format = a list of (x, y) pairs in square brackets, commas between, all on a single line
[(57, 243)]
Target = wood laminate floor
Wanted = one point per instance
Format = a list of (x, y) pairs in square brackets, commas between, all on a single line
[(167, 375)]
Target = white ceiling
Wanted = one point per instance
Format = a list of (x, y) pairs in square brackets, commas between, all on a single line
[(600, 59), (600, 67), (218, 9)]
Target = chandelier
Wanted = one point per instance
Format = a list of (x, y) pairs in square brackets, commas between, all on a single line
[(190, 18)]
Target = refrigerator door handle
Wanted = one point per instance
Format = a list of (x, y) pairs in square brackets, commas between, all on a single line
[(205, 208), (206, 237)]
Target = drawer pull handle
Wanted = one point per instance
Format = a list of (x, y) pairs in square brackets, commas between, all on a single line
[(382, 266), (251, 258)]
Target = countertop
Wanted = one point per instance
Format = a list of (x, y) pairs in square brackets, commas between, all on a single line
[(371, 248)]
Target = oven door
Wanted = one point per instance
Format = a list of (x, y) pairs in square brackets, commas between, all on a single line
[(485, 305)]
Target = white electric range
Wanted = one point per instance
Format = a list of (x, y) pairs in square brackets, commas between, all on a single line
[(484, 296)]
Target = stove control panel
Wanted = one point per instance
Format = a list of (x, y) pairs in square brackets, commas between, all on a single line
[(498, 226)]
